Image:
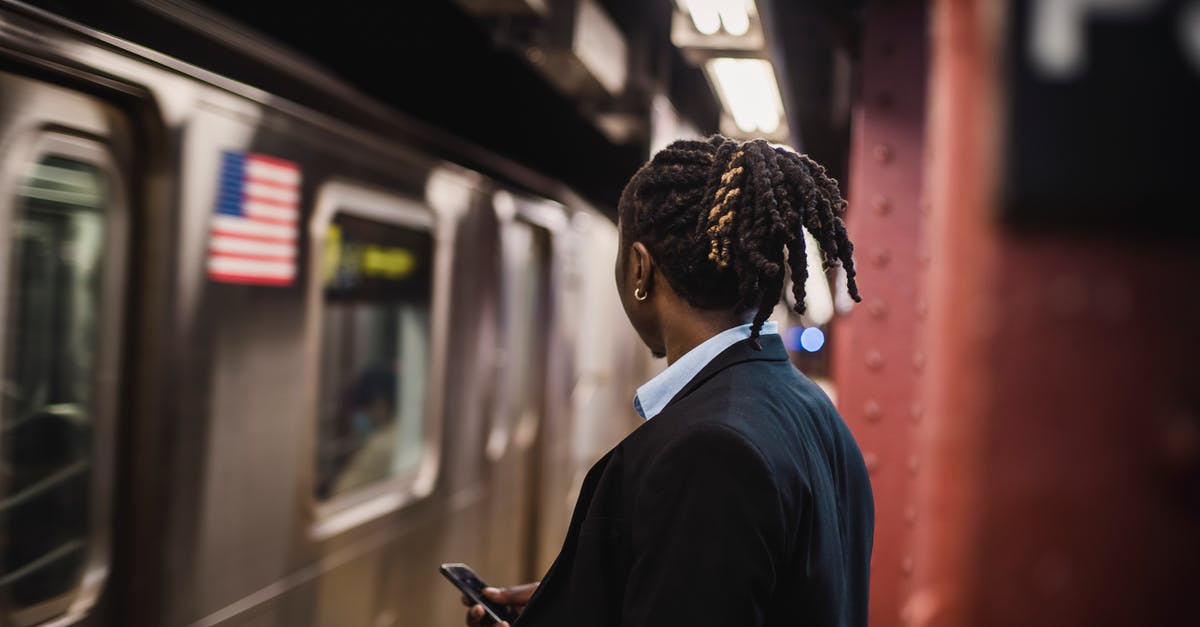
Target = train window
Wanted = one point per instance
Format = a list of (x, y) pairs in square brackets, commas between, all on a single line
[(375, 431), (57, 380)]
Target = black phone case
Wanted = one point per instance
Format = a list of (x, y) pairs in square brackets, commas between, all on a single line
[(469, 583)]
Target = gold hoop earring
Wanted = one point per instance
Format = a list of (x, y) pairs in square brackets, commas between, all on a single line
[(639, 294)]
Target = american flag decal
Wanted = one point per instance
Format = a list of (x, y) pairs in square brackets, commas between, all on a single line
[(254, 230)]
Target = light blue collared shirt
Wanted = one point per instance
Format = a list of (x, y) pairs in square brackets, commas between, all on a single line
[(654, 394)]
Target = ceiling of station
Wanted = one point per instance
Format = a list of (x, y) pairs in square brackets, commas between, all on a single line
[(439, 63)]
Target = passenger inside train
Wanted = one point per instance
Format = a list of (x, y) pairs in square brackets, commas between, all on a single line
[(368, 427)]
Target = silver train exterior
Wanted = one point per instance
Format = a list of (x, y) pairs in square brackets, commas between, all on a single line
[(190, 485)]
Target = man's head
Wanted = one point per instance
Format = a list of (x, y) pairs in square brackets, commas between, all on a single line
[(714, 218), (373, 398)]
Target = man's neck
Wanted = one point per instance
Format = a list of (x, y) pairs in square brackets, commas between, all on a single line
[(693, 328)]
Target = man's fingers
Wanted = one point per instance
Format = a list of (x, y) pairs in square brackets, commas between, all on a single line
[(466, 601), (522, 593), (513, 595), (475, 615)]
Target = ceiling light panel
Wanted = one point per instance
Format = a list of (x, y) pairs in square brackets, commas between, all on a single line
[(748, 92)]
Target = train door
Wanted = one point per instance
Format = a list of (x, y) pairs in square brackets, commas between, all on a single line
[(64, 231)]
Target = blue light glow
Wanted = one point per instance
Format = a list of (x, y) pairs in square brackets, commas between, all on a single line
[(812, 339), (791, 339)]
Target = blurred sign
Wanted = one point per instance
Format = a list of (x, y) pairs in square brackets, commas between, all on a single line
[(371, 261), (1103, 112)]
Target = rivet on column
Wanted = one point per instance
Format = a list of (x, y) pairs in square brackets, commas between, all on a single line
[(881, 204), (877, 308), (883, 153), (871, 461), (872, 411)]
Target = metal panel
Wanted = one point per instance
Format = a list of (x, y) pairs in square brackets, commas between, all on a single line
[(879, 361)]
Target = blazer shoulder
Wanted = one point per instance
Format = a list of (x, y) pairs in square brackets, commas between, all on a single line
[(717, 452)]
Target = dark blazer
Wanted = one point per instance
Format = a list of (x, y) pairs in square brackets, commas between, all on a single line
[(745, 502)]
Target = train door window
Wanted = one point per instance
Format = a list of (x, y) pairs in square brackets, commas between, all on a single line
[(61, 293), (376, 274)]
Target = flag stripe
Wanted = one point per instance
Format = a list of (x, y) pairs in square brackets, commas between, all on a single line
[(256, 209), (230, 225), (252, 257), (288, 222), (258, 168), (249, 279), (239, 246), (289, 241), (270, 183), (265, 193), (233, 265)]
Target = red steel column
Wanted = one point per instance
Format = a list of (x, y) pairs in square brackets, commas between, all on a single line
[(879, 362), (1063, 436)]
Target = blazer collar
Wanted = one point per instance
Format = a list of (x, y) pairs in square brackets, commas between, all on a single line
[(743, 351)]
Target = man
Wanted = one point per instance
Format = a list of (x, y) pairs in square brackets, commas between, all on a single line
[(743, 500)]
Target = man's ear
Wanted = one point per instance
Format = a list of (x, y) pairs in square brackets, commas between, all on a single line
[(643, 265)]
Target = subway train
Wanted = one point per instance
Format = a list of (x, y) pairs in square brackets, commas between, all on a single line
[(270, 364)]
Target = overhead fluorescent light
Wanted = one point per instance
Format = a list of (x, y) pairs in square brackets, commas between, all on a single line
[(735, 16), (748, 91), (705, 14), (709, 16)]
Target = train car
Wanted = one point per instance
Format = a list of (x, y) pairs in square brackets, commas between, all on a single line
[(270, 364)]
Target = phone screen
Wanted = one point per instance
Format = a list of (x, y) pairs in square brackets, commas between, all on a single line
[(471, 585)]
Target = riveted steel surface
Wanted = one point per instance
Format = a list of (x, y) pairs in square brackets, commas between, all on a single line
[(878, 359)]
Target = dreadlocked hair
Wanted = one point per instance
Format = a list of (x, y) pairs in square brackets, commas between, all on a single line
[(718, 215)]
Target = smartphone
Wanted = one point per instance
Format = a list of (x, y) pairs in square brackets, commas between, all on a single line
[(471, 585)]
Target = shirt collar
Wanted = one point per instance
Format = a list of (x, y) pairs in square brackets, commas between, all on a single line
[(652, 397)]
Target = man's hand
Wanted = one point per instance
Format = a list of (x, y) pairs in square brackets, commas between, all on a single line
[(514, 597)]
